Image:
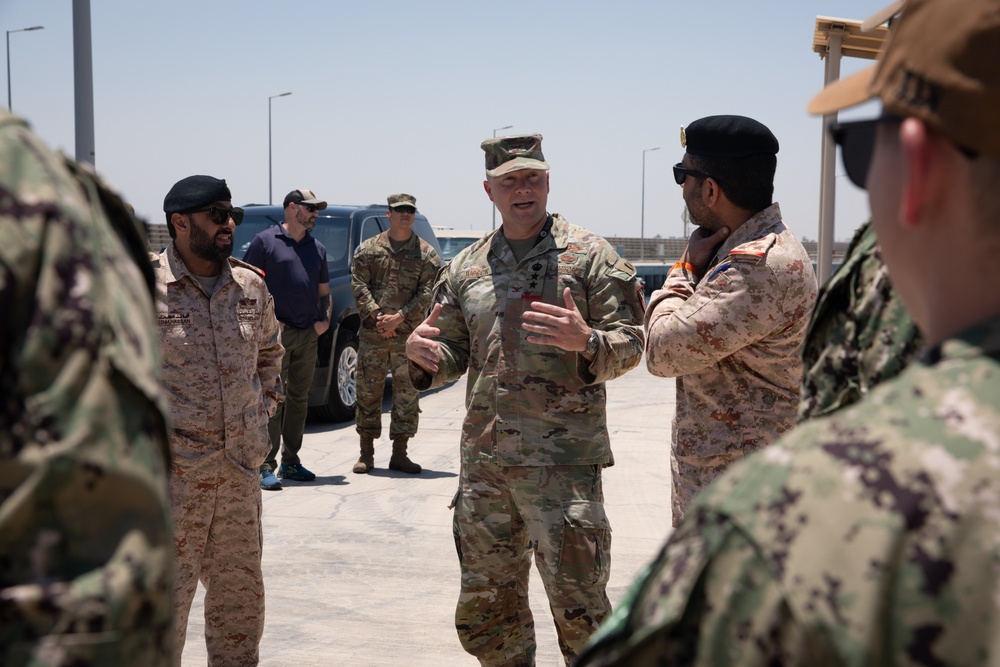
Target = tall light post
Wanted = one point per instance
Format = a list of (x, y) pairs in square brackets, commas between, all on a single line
[(270, 194), (642, 215), (34, 27), (505, 127)]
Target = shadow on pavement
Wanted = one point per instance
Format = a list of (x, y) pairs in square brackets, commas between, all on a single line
[(425, 474)]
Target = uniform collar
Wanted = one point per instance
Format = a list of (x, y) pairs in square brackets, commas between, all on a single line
[(756, 226)]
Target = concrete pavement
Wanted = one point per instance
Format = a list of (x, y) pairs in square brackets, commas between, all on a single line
[(360, 570)]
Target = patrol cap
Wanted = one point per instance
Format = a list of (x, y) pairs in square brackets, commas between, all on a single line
[(402, 200), (728, 137), (303, 196), (514, 152), (941, 65), (195, 192)]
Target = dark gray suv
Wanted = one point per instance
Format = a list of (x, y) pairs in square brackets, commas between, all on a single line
[(341, 229)]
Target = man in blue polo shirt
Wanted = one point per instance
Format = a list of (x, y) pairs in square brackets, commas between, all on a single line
[(295, 270)]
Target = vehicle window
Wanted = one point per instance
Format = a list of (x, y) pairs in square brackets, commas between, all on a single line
[(335, 235), (249, 228), (451, 245), (371, 227)]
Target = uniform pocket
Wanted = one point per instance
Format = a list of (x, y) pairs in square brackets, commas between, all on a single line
[(585, 556)]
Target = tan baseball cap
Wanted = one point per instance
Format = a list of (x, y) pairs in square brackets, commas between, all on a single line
[(303, 196), (941, 65)]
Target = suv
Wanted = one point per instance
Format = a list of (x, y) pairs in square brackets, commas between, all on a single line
[(341, 229)]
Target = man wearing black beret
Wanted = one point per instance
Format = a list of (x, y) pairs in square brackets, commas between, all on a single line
[(731, 317), (221, 369)]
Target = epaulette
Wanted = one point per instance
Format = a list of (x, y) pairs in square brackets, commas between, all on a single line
[(753, 251), (246, 265)]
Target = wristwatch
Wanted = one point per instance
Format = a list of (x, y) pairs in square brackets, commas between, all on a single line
[(593, 342)]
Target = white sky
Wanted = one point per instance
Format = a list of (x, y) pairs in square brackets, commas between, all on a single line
[(393, 96)]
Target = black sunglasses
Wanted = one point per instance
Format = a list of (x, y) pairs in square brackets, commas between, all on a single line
[(681, 172), (220, 215), (404, 209), (856, 139), (309, 207)]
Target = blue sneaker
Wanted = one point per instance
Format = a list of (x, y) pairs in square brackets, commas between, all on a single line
[(295, 472), (268, 481)]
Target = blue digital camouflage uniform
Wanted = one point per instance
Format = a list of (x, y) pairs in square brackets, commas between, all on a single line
[(391, 282), (860, 333), (221, 367), (85, 545), (733, 340), (869, 537), (535, 437)]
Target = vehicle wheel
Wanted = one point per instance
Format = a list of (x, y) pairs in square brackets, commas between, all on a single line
[(344, 384)]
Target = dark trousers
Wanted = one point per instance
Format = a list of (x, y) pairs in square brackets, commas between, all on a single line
[(297, 369)]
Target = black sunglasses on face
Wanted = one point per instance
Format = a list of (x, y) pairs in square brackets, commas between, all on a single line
[(220, 215), (681, 172), (856, 139), (405, 209), (309, 207)]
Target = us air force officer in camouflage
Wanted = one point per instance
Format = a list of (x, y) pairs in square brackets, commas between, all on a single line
[(871, 537), (729, 321), (392, 277), (86, 567), (221, 366), (541, 313)]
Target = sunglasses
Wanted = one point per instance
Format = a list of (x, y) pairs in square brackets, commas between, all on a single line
[(681, 172), (404, 209), (856, 139), (220, 216), (309, 207)]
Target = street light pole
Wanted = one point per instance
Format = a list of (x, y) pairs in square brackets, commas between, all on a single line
[(642, 214), (34, 27), (505, 127), (270, 193)]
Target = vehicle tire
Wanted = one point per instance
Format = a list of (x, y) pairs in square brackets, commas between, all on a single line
[(343, 382)]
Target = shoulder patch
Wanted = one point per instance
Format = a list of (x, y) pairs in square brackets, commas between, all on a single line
[(753, 251), (245, 265)]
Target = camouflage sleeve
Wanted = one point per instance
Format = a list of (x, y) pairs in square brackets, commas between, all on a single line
[(709, 599), (688, 329), (454, 342), (269, 359), (361, 277), (615, 311), (416, 308)]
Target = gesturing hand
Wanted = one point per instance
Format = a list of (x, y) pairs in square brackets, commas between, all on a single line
[(564, 328), (420, 349), (701, 247)]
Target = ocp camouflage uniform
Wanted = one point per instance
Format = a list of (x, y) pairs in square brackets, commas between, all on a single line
[(860, 333), (869, 537), (85, 557), (535, 437), (391, 282), (221, 366), (732, 338)]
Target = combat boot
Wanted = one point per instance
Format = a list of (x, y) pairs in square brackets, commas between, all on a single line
[(399, 460), (367, 461)]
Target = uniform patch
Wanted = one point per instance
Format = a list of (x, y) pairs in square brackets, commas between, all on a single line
[(474, 272), (167, 319), (577, 247), (247, 314)]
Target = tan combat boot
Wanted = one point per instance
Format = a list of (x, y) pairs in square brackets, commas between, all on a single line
[(399, 460), (367, 461)]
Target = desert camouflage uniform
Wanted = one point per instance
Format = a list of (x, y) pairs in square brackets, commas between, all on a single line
[(732, 338), (869, 537), (85, 546), (535, 437), (860, 333), (393, 282), (221, 366)]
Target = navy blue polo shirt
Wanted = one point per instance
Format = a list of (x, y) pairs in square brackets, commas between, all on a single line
[(293, 272)]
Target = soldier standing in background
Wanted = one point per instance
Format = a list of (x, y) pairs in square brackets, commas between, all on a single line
[(729, 321), (870, 537), (221, 366), (392, 277), (541, 313), (85, 548)]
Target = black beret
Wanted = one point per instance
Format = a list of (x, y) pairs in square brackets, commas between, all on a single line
[(728, 136), (195, 192)]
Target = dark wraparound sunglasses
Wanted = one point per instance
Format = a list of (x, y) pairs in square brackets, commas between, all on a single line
[(404, 209), (309, 207), (681, 172), (220, 216)]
